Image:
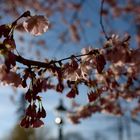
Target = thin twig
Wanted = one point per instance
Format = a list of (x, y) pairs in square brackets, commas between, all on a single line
[(101, 20), (25, 14)]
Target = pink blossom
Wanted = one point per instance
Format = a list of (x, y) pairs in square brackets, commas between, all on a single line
[(36, 25)]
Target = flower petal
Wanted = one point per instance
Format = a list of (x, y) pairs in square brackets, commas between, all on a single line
[(36, 25)]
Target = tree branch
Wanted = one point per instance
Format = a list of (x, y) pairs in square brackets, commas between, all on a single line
[(101, 20), (30, 63)]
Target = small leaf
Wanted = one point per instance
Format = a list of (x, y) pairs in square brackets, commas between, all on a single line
[(9, 44), (31, 111), (100, 63), (37, 123), (5, 30), (59, 87), (25, 122), (92, 96), (72, 93), (28, 96), (43, 112)]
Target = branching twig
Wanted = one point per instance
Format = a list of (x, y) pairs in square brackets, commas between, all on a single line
[(30, 63)]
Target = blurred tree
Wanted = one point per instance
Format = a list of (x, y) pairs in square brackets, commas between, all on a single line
[(19, 133), (73, 136)]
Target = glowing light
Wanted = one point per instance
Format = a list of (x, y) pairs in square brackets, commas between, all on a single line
[(58, 120)]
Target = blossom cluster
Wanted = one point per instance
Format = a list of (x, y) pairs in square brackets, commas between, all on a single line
[(101, 70)]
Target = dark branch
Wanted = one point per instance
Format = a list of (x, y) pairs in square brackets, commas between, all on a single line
[(101, 20), (25, 14), (30, 63)]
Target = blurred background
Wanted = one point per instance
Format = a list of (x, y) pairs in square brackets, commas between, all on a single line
[(74, 24)]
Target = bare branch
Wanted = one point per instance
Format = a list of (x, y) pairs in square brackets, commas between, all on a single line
[(101, 21), (28, 62)]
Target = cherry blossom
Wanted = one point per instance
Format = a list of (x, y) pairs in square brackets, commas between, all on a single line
[(85, 51), (36, 25), (11, 78)]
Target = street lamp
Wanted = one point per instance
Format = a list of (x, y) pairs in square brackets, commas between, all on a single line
[(60, 109)]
